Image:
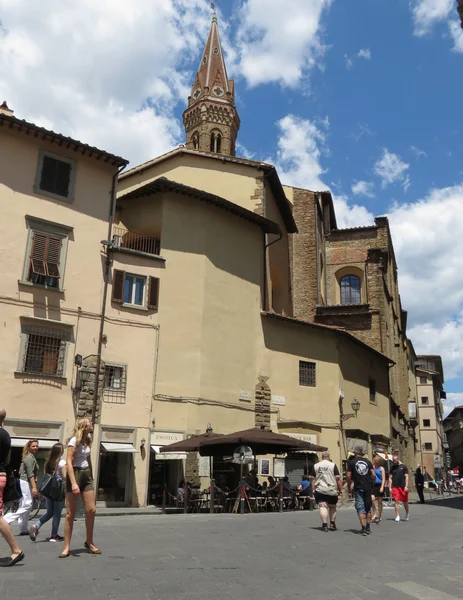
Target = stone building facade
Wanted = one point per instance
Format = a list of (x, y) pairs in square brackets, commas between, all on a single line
[(347, 278)]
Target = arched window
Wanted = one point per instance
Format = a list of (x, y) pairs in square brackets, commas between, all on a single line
[(350, 289), (195, 140), (216, 142)]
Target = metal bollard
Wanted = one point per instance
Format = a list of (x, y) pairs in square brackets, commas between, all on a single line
[(281, 498), (164, 500), (185, 500), (242, 494), (211, 497)]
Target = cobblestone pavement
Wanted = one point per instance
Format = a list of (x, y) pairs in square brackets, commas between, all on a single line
[(265, 556)]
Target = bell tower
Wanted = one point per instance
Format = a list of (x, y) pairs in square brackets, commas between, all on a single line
[(211, 121)]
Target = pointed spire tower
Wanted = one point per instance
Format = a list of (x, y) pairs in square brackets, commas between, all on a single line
[(211, 121)]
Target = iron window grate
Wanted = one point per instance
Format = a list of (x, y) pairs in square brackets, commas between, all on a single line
[(307, 373), (44, 352), (115, 384)]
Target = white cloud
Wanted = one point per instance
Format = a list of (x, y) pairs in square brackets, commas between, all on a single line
[(418, 152), (280, 43), (106, 72), (298, 161), (363, 188), (427, 13), (349, 62), (428, 241), (453, 400), (390, 168), (364, 53)]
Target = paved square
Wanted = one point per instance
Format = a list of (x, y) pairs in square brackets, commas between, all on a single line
[(265, 556)]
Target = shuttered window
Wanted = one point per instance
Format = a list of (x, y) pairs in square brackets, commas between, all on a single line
[(45, 258), (55, 176), (135, 290)]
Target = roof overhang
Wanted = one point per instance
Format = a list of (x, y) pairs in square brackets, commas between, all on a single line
[(269, 170), (30, 129), (166, 185)]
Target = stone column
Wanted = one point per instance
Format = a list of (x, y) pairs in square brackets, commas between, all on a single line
[(192, 469), (86, 395), (263, 397)]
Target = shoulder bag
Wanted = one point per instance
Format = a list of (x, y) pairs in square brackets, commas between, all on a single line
[(12, 491), (51, 487)]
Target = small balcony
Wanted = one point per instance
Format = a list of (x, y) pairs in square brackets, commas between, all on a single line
[(138, 243)]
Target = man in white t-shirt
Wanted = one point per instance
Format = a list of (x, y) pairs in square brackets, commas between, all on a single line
[(326, 482)]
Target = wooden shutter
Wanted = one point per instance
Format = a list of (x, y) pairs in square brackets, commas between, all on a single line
[(45, 255), (38, 253), (56, 176), (53, 257), (118, 286), (153, 293)]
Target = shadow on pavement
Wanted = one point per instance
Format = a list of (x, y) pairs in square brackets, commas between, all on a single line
[(455, 502)]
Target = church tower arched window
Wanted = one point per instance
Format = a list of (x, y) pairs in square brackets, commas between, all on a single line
[(216, 142), (195, 139)]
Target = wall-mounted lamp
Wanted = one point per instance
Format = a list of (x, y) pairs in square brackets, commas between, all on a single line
[(85, 374), (78, 360), (209, 428), (142, 442)]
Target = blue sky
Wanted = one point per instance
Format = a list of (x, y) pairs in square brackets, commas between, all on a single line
[(361, 97)]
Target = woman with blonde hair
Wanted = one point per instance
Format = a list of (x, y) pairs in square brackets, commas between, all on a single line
[(56, 467), (28, 482), (79, 481), (378, 489)]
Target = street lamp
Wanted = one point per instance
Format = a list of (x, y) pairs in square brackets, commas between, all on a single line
[(346, 416)]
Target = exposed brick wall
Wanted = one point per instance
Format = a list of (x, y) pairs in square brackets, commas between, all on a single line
[(304, 256)]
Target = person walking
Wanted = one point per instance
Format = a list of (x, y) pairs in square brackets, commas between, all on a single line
[(28, 481), (398, 482), (56, 467), (419, 483), (378, 490), (79, 481), (327, 486), (360, 471), (5, 530)]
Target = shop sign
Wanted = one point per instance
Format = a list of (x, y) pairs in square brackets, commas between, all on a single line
[(304, 437), (437, 463), (163, 438), (204, 466), (279, 400), (279, 467)]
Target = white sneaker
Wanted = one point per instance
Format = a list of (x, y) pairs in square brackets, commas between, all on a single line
[(397, 519), (407, 518)]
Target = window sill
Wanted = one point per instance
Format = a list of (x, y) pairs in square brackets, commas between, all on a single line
[(60, 378), (39, 192), (138, 253), (41, 286), (135, 307)]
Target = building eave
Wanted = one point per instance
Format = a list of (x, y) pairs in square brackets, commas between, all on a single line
[(268, 169), (27, 128), (162, 184), (334, 330)]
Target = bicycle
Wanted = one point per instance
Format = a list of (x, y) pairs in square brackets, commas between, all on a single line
[(38, 503)]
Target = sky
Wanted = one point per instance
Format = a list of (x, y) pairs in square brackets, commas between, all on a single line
[(362, 98)]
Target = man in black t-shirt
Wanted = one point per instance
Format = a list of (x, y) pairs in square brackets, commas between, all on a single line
[(5, 530), (361, 472), (398, 482)]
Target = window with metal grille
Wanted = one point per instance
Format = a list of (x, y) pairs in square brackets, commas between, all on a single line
[(307, 373), (426, 422), (55, 176), (428, 445), (372, 386), (43, 351), (350, 289), (115, 383), (424, 399)]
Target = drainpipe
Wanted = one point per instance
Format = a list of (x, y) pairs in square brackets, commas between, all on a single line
[(317, 259), (107, 267)]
